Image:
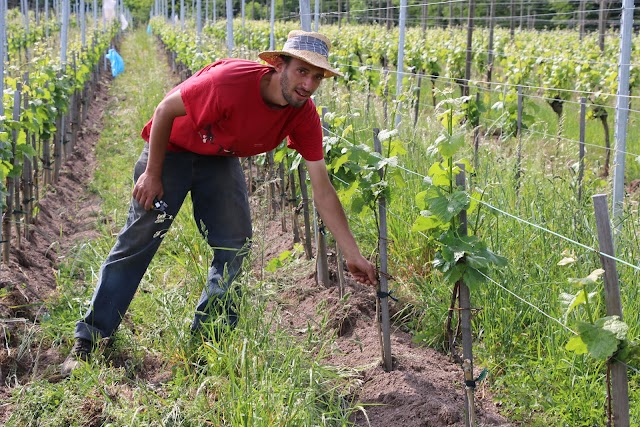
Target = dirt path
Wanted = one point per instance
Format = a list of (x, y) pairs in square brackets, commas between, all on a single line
[(424, 389)]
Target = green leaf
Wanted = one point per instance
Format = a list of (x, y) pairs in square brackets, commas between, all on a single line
[(340, 161), (482, 258), (397, 148), (349, 193), (447, 206), (572, 301), (449, 145), (454, 274), (27, 150), (473, 278), (426, 223), (396, 176), (439, 175), (628, 352), (358, 204), (576, 345), (279, 156), (601, 343), (273, 265), (421, 199)]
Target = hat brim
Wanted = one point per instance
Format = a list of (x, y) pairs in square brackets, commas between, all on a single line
[(303, 55)]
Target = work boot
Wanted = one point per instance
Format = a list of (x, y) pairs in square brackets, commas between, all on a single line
[(80, 352)]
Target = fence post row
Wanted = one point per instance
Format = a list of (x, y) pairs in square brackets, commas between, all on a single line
[(24, 190)]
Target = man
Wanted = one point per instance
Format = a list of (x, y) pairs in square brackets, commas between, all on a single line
[(229, 109)]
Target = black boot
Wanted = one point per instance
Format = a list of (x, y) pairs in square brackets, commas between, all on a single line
[(80, 352)]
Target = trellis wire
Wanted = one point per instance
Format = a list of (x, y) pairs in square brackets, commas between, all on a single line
[(568, 239)]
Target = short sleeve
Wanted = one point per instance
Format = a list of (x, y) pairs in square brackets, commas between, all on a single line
[(306, 136), (200, 99)]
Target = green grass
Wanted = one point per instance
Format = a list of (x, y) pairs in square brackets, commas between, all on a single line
[(154, 372)]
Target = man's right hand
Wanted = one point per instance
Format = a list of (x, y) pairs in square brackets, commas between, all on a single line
[(147, 188)]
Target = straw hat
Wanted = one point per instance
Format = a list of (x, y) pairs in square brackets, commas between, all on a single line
[(309, 47)]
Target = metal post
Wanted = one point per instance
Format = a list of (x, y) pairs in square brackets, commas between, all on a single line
[(230, 26), (400, 66), (622, 112), (64, 32), (467, 69), (83, 28), (305, 14), (272, 40), (316, 15), (182, 15), (198, 24)]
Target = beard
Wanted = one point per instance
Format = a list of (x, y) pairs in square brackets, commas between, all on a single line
[(289, 93)]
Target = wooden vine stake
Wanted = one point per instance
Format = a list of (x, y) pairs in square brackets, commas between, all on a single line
[(26, 202), (383, 287), (322, 263), (283, 197), (294, 210), (619, 381), (519, 134), (305, 209), (464, 304), (583, 116), (57, 147)]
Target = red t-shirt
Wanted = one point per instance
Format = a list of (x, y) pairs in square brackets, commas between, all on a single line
[(226, 115)]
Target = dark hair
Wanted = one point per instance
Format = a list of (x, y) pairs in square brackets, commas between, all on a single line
[(285, 58)]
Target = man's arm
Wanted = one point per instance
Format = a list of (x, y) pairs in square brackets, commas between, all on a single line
[(149, 185), (330, 209)]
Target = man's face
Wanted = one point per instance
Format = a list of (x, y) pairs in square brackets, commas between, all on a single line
[(299, 80)]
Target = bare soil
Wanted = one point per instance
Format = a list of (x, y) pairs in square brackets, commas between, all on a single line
[(424, 388)]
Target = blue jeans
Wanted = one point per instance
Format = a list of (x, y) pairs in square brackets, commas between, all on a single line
[(221, 210)]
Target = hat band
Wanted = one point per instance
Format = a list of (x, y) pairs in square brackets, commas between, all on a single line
[(307, 43)]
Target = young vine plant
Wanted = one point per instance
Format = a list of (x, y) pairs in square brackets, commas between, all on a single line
[(603, 338), (459, 256)]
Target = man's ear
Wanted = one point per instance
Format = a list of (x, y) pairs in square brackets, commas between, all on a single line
[(279, 64)]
